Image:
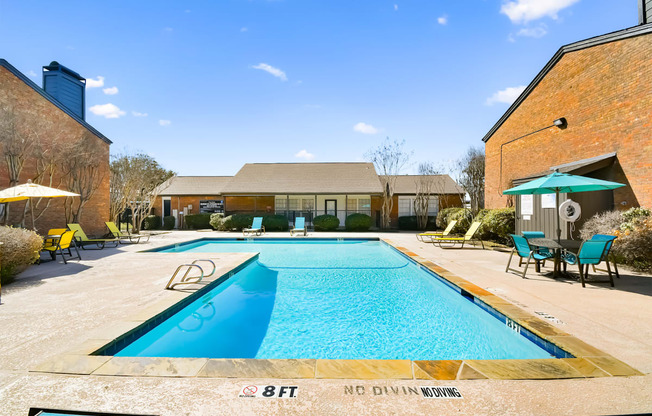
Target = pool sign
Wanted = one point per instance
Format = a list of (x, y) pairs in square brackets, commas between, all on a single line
[(269, 392), (440, 392)]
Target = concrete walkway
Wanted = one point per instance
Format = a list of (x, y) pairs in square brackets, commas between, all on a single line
[(53, 307)]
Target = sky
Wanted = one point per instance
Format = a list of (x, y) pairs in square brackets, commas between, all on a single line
[(207, 86)]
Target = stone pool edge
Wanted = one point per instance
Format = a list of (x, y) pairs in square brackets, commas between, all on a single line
[(588, 361)]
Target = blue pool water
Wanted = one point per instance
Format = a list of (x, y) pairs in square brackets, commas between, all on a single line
[(328, 299)]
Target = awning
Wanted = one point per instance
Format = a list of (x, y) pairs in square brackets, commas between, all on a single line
[(579, 167)]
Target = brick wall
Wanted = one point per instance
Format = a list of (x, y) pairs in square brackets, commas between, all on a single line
[(605, 93), (49, 120)]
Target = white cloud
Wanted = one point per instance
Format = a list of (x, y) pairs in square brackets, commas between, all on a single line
[(507, 96), (395, 7), (107, 110), (137, 114), (95, 83), (442, 20), (110, 91), (523, 11), (164, 122), (534, 32), (32, 73), (270, 69), (365, 128), (304, 154), (243, 29)]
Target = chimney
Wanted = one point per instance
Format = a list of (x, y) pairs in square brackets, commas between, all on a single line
[(644, 12), (66, 86)]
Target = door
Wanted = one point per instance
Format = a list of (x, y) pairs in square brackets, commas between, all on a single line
[(166, 208), (331, 207)]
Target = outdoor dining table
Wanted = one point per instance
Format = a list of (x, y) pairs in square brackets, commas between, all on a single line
[(557, 247)]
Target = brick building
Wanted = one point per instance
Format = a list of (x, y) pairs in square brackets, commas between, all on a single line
[(53, 115), (602, 88)]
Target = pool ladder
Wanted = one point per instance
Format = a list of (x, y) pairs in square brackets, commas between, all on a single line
[(192, 279)]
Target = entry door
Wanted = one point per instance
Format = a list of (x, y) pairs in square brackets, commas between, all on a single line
[(331, 207), (167, 211)]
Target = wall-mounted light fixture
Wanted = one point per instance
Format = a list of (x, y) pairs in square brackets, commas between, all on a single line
[(560, 123)]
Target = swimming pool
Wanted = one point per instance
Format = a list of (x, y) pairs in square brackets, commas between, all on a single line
[(328, 299)]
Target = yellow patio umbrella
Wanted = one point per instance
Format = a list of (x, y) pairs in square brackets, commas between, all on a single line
[(31, 190)]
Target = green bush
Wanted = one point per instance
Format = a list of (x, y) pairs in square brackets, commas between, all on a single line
[(168, 222), (151, 222), (216, 220), (410, 223), (463, 216), (236, 222), (275, 223), (357, 222), (20, 248), (497, 224), (198, 221), (326, 222)]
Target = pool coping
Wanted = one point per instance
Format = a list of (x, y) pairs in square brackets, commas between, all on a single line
[(586, 362)]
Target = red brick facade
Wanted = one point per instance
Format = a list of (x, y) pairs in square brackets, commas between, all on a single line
[(605, 93), (23, 99)]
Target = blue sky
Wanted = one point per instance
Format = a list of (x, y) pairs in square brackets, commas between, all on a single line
[(206, 86)]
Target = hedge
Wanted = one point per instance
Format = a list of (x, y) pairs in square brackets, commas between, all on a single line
[(168, 222), (326, 222), (357, 222), (20, 248), (151, 222), (463, 216), (497, 224), (216, 220), (236, 222), (275, 223), (410, 223), (198, 221)]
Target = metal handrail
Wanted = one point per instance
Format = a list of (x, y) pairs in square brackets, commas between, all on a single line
[(188, 280)]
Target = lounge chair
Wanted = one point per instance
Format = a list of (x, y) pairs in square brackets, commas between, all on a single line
[(83, 240), (606, 256), (256, 227), (299, 226), (591, 252), (453, 241), (54, 246), (524, 251), (123, 237), (432, 234)]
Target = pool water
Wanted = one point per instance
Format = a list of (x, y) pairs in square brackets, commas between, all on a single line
[(330, 300)]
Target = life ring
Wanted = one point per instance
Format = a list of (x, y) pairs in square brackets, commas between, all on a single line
[(570, 210)]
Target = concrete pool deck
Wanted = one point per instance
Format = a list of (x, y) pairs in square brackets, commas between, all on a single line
[(54, 308)]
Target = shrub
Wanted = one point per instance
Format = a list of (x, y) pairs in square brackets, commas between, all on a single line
[(236, 222), (442, 216), (216, 220), (631, 216), (275, 223), (410, 223), (20, 248), (357, 222), (497, 224), (198, 221), (168, 222), (151, 222), (634, 246), (602, 223), (326, 222)]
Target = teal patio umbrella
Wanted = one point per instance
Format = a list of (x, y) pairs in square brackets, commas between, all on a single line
[(564, 183)]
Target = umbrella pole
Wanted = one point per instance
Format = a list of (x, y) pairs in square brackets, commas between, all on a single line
[(558, 217), (31, 208)]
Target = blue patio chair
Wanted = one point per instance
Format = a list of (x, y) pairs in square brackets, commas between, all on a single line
[(605, 257), (256, 227), (524, 251), (544, 251), (299, 226), (591, 253)]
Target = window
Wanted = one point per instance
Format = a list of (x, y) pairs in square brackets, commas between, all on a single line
[(352, 204), (364, 204), (405, 204), (281, 204), (308, 204), (294, 204)]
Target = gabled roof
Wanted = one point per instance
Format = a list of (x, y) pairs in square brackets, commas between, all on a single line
[(305, 178), (583, 44), (41, 91), (193, 185), (441, 184)]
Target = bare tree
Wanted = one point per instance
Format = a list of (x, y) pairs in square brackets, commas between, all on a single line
[(425, 186), (471, 167), (389, 158)]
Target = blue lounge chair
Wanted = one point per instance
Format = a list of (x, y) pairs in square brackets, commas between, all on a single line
[(299, 226), (256, 227), (605, 256), (591, 253), (524, 251)]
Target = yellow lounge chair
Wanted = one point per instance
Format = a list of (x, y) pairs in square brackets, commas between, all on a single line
[(122, 237), (432, 234), (83, 240), (55, 246), (469, 236)]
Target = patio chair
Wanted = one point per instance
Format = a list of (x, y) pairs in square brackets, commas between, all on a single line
[(469, 236), (299, 226), (123, 237), (83, 240), (524, 251), (544, 251), (607, 253), (54, 246), (432, 234), (256, 227), (591, 253)]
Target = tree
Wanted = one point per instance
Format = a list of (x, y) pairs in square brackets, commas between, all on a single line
[(135, 181), (471, 167), (389, 158), (425, 184)]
